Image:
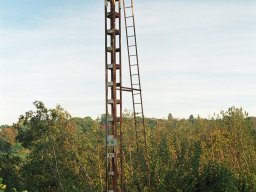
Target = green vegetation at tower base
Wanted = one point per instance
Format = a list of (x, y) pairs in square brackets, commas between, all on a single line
[(48, 150)]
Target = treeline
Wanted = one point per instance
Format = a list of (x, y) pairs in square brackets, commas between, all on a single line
[(48, 150)]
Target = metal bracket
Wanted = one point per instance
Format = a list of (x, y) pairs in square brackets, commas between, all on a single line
[(111, 141), (111, 173), (111, 155)]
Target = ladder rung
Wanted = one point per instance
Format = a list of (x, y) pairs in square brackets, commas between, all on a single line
[(136, 93), (133, 55), (130, 26), (132, 45), (137, 103), (128, 7), (111, 173), (134, 74), (129, 17), (110, 49), (112, 120), (111, 31), (110, 15), (131, 36), (111, 66), (136, 84), (111, 101), (110, 84), (111, 155), (133, 64)]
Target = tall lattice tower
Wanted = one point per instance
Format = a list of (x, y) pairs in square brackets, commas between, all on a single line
[(115, 147)]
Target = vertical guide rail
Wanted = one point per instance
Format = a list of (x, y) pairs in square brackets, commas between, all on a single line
[(113, 83), (138, 112)]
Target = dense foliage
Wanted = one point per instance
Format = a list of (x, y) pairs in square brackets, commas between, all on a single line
[(48, 150)]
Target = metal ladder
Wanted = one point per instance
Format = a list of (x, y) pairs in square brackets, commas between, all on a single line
[(135, 89)]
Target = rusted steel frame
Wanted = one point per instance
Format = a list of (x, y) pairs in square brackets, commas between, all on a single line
[(115, 165)]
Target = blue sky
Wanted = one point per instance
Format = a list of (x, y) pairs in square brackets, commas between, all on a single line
[(196, 57)]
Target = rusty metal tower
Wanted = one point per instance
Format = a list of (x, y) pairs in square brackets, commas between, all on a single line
[(113, 85)]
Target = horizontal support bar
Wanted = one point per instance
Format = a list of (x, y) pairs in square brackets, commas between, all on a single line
[(129, 89), (111, 66), (110, 49), (111, 31), (111, 101), (111, 15)]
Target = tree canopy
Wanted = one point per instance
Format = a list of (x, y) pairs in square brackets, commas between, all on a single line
[(48, 150)]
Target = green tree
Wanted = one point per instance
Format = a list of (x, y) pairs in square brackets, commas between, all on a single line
[(56, 161), (217, 178)]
